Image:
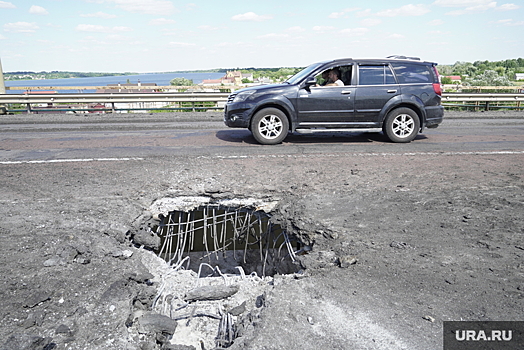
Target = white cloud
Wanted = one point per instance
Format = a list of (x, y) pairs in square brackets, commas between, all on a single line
[(354, 31), (364, 13), (509, 23), (191, 7), (461, 3), (208, 28), (91, 40), (436, 22), (343, 13), (180, 44), (323, 29), (101, 29), (273, 36), (250, 17), (396, 36), (226, 44), (21, 27), (38, 10), (351, 9), (2, 37), (508, 7), (474, 6), (122, 29), (99, 14), (337, 15), (368, 22), (406, 10), (161, 21), (296, 29), (6, 5), (474, 9), (150, 7)]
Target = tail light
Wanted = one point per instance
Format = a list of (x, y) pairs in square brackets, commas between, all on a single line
[(438, 89), (437, 86)]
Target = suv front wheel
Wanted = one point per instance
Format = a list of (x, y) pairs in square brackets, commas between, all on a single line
[(269, 126), (402, 125)]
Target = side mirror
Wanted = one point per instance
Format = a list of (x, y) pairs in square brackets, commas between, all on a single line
[(310, 81)]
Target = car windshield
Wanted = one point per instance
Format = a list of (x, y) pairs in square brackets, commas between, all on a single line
[(303, 73)]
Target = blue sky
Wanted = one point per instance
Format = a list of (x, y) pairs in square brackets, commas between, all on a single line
[(162, 35)]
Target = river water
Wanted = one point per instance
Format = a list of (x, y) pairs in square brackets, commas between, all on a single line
[(161, 79)]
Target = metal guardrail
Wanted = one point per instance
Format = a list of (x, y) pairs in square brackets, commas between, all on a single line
[(476, 97), (124, 88), (117, 101), (198, 101), (483, 100)]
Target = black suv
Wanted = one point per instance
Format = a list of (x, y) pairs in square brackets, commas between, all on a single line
[(397, 95)]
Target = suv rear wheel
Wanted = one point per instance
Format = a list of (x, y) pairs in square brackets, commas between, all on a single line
[(402, 125), (269, 126)]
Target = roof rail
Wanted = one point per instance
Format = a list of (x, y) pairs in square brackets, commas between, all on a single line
[(398, 57)]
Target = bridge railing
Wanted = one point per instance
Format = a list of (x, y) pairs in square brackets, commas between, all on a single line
[(114, 102), (45, 102)]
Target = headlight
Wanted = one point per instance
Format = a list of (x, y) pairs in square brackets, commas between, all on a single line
[(242, 96)]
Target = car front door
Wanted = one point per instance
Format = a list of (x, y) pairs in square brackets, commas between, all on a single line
[(320, 106), (376, 86)]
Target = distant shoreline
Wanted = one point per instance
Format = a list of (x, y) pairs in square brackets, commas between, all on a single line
[(160, 79), (44, 75)]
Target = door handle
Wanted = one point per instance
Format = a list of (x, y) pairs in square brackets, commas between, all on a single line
[(392, 91), (345, 92)]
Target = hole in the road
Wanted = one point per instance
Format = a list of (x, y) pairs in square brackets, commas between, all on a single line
[(215, 238)]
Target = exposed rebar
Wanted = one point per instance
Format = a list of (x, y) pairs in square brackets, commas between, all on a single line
[(214, 233)]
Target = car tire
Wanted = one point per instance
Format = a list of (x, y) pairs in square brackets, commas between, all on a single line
[(402, 125), (269, 126)]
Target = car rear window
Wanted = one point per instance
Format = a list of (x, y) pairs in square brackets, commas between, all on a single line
[(375, 75), (412, 73)]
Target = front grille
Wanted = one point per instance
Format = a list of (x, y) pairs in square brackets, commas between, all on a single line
[(230, 98)]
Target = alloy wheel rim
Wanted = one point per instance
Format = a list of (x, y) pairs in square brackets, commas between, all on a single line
[(270, 126), (403, 125)]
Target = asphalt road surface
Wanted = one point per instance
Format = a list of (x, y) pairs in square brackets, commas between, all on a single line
[(404, 236), (52, 137)]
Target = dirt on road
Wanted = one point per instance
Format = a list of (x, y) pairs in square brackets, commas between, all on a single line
[(399, 244)]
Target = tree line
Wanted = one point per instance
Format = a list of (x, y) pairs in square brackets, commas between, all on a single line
[(478, 73), (28, 75), (484, 73)]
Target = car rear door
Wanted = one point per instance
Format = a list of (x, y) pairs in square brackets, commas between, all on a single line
[(376, 86)]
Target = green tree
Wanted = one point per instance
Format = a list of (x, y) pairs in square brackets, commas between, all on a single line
[(446, 80), (181, 82), (489, 78)]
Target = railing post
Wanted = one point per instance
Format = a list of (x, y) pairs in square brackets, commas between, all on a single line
[(2, 83), (3, 109)]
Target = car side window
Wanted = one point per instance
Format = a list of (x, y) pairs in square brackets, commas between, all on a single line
[(412, 73), (375, 75), (344, 74)]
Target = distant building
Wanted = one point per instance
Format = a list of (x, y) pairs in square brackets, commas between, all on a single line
[(519, 76), (211, 82), (129, 88), (232, 77), (40, 92), (124, 88), (455, 78)]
